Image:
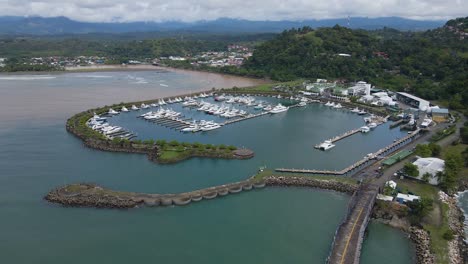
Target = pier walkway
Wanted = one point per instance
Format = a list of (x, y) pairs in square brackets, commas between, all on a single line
[(346, 247), (345, 135), (361, 164), (250, 116)]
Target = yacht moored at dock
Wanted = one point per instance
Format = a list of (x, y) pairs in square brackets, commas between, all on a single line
[(278, 109), (326, 145)]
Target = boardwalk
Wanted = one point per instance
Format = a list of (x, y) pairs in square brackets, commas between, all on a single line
[(346, 248)]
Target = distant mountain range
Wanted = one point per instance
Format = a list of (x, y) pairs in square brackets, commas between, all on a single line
[(12, 25)]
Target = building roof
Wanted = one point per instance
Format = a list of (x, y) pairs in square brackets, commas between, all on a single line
[(440, 110), (412, 97), (407, 197), (430, 164), (384, 197)]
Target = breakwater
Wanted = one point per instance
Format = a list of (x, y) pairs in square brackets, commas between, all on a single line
[(91, 195), (346, 247)]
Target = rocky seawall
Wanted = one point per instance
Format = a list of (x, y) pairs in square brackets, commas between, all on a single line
[(457, 247), (311, 182), (422, 243), (91, 195)]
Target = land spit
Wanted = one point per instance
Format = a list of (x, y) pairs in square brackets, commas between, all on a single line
[(91, 195)]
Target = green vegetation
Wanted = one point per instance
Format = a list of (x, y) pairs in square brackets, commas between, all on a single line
[(455, 168), (428, 150), (443, 133), (174, 151), (410, 169), (435, 220)]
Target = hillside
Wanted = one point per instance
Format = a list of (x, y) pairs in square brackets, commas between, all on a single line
[(63, 25), (432, 64)]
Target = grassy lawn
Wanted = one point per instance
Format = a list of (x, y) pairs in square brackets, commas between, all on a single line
[(267, 173), (170, 154), (436, 223)]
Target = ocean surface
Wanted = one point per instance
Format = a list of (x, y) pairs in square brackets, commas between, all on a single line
[(275, 225)]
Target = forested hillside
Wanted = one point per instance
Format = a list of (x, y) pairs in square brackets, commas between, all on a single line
[(432, 64)]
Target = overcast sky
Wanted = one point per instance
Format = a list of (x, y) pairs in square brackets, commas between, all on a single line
[(192, 10)]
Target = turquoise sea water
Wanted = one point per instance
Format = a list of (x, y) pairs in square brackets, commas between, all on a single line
[(269, 226)]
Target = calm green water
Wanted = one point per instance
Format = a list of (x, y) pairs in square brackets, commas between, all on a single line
[(269, 226), (394, 248)]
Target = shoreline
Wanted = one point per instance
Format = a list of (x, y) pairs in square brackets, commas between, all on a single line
[(150, 67), (391, 214)]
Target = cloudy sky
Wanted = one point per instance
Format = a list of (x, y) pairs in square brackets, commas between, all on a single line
[(192, 10)]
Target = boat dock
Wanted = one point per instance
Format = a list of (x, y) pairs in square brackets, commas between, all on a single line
[(359, 165), (174, 123), (250, 116), (345, 135), (397, 123)]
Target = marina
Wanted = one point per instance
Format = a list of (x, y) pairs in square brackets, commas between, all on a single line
[(168, 228)]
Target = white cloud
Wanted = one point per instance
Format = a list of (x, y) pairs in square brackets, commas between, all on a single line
[(192, 10)]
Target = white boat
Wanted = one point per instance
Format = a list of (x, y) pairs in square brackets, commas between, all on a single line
[(190, 102), (365, 129), (210, 126), (112, 112), (260, 106), (278, 109), (268, 108), (98, 118), (338, 106), (372, 125), (153, 105), (124, 109), (302, 104), (279, 96), (326, 145), (191, 128), (355, 110), (134, 107), (220, 98), (362, 112), (144, 106), (328, 103)]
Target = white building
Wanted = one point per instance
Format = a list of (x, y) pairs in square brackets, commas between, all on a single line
[(414, 101), (361, 88), (403, 198), (431, 166)]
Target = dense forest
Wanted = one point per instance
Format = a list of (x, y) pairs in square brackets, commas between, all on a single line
[(120, 48), (431, 64)]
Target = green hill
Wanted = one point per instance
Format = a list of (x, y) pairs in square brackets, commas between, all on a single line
[(432, 64)]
